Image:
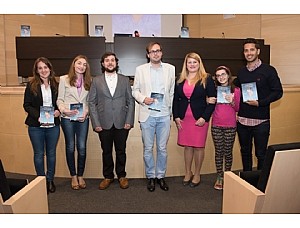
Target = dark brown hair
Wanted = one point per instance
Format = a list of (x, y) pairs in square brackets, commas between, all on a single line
[(230, 77), (36, 81), (104, 56)]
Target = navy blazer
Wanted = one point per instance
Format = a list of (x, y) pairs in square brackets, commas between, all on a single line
[(197, 101), (32, 105)]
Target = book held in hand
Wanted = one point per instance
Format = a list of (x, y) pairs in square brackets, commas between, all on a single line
[(79, 108), (222, 91), (47, 115), (158, 102), (249, 91)]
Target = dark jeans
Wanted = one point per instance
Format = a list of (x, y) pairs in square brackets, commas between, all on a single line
[(75, 131), (260, 134), (118, 138), (44, 139)]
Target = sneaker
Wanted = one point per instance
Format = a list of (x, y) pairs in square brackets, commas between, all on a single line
[(219, 183)]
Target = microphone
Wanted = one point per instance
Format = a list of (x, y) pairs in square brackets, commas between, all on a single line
[(153, 35), (58, 34), (223, 35)]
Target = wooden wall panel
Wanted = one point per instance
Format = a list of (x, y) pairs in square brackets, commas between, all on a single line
[(2, 52), (78, 25), (283, 35), (193, 22), (240, 26), (279, 31), (41, 25)]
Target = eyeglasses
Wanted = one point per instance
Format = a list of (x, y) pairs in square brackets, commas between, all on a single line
[(221, 75), (155, 51)]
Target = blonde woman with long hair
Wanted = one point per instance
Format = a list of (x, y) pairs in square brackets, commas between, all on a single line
[(192, 113)]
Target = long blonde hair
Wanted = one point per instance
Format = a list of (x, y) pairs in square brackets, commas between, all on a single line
[(201, 75)]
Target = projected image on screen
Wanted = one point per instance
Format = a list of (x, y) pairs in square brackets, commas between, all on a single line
[(146, 24)]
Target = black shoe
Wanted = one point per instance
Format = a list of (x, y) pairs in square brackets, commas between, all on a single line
[(50, 187), (193, 185), (151, 184), (162, 184)]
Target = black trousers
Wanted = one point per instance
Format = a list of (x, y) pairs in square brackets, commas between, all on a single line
[(260, 135), (117, 138)]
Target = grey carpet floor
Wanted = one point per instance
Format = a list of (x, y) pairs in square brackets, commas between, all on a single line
[(203, 199)]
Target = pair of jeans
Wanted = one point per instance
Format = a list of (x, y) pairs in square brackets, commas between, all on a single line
[(155, 128), (260, 133), (117, 138), (75, 131), (44, 142)]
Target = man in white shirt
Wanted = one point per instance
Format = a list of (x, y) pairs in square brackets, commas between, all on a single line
[(112, 115), (155, 80)]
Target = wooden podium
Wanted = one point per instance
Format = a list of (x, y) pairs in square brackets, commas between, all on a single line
[(281, 195), (32, 199), (131, 52)]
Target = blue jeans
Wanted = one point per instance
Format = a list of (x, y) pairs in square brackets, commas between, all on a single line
[(75, 131), (44, 139), (260, 134), (159, 127)]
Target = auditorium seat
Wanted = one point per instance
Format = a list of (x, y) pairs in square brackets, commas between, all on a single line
[(274, 189)]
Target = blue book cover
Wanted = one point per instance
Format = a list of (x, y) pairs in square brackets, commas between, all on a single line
[(158, 101), (249, 91), (79, 108), (25, 30), (46, 115), (222, 91)]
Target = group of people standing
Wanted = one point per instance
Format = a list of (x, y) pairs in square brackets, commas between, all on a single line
[(108, 100)]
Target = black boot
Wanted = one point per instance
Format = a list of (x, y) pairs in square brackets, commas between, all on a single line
[(50, 187)]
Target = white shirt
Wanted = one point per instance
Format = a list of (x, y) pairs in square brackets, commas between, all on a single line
[(111, 81), (47, 95)]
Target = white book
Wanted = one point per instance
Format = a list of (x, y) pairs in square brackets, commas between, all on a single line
[(47, 115), (185, 32), (25, 30), (99, 30), (158, 101), (249, 91), (79, 108), (222, 91)]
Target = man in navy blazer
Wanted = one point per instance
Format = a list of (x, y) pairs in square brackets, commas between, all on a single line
[(111, 107)]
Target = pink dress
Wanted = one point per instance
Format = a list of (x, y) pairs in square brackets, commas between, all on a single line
[(190, 134)]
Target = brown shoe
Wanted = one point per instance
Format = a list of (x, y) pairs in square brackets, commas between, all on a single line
[(123, 181), (105, 183)]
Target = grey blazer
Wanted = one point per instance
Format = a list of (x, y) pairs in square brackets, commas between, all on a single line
[(105, 109)]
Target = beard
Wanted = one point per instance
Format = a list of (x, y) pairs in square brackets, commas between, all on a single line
[(110, 70)]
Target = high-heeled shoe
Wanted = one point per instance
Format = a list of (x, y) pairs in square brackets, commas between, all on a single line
[(193, 184), (82, 185), (186, 183), (74, 186)]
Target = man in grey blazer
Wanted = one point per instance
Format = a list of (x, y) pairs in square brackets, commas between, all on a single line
[(111, 108), (153, 89)]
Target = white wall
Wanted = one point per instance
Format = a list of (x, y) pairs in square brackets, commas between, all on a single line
[(170, 25)]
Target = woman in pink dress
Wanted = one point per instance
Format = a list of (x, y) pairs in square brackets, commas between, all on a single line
[(192, 113)]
